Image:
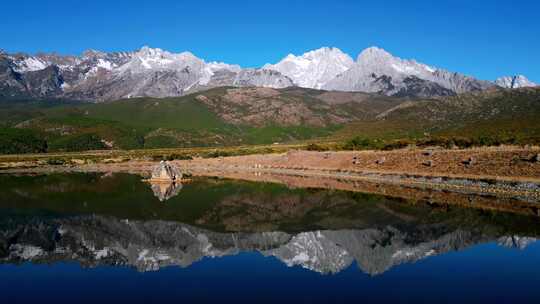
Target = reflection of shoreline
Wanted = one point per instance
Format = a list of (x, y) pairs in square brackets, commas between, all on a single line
[(150, 245), (437, 196), (460, 196)]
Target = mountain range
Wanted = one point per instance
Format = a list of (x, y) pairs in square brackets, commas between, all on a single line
[(152, 72)]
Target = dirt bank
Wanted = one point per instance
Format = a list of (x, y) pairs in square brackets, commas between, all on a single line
[(513, 164), (512, 173)]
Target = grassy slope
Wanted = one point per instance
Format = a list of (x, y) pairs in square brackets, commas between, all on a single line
[(143, 123), (500, 116), (508, 116)]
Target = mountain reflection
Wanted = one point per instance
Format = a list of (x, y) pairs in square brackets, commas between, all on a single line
[(114, 220), (151, 245)]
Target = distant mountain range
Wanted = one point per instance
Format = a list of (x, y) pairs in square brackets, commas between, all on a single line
[(149, 72)]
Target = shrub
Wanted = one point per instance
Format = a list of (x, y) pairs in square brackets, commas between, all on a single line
[(178, 156), (55, 161), (13, 141), (359, 143), (315, 147), (83, 142)]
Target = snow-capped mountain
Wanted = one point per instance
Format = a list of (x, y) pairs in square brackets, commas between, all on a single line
[(513, 82), (101, 76), (377, 71), (315, 68)]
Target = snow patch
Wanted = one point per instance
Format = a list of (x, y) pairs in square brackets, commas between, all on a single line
[(29, 64)]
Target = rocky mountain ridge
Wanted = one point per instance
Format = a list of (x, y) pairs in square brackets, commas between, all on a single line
[(99, 76), (152, 72)]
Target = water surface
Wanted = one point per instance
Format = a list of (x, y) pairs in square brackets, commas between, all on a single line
[(112, 237)]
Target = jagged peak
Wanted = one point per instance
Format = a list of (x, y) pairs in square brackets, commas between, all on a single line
[(165, 57), (151, 52), (373, 52), (320, 52), (93, 53)]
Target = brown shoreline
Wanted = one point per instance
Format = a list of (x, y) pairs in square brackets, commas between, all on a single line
[(507, 173)]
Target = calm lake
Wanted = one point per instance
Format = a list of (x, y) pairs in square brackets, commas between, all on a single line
[(74, 238)]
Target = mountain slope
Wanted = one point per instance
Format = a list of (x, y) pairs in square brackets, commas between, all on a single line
[(488, 117), (234, 116), (216, 117)]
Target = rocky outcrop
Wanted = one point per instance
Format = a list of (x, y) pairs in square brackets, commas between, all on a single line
[(44, 83), (11, 82)]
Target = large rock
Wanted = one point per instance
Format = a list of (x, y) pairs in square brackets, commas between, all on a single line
[(166, 172)]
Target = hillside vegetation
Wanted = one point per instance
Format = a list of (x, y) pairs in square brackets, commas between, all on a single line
[(247, 116), (475, 119)]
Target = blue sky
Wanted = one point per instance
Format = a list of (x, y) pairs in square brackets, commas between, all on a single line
[(485, 39)]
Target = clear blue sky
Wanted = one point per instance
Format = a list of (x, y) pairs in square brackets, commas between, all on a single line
[(481, 38)]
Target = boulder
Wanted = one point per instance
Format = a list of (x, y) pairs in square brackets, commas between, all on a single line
[(380, 161), (428, 163), (165, 171)]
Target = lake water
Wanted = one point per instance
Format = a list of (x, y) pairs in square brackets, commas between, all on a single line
[(72, 238)]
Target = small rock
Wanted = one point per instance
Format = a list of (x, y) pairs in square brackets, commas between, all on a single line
[(532, 159), (428, 163), (469, 161), (380, 161), (427, 153), (78, 161)]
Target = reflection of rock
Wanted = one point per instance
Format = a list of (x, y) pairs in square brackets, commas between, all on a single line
[(165, 171), (150, 245), (165, 191)]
